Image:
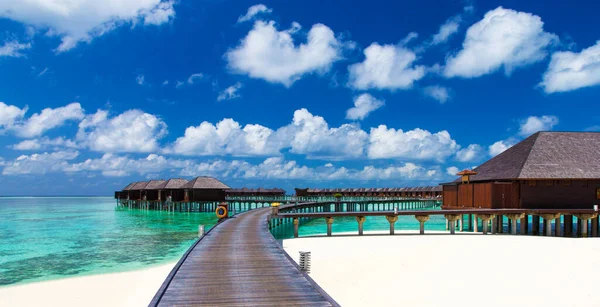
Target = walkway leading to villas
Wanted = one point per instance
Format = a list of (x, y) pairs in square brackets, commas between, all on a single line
[(239, 263)]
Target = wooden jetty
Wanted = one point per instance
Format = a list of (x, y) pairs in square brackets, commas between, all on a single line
[(239, 263)]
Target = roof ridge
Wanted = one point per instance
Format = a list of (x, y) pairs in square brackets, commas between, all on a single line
[(537, 136)]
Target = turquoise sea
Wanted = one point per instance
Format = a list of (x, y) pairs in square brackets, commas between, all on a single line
[(58, 237), (55, 237)]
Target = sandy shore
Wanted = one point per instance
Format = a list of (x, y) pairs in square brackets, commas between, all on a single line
[(135, 288), (460, 270)]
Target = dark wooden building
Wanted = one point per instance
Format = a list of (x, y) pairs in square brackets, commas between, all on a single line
[(152, 189), (135, 190), (548, 170), (204, 189), (172, 188)]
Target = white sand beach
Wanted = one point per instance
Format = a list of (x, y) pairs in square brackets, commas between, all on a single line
[(134, 288), (459, 270)]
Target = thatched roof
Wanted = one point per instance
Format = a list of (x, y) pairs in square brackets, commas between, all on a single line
[(155, 184), (546, 155), (203, 182), (140, 185), (129, 186), (173, 183)]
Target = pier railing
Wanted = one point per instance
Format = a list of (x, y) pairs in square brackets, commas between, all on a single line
[(518, 221), (291, 198)]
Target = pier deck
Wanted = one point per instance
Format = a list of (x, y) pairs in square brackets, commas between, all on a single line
[(239, 263)]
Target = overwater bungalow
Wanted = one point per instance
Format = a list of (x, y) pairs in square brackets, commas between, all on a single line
[(204, 188), (548, 170), (152, 190), (172, 189), (136, 191)]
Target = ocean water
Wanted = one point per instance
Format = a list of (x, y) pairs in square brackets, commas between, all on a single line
[(50, 238)]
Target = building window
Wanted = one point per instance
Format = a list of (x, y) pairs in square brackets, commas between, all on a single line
[(598, 193), (567, 183), (549, 183), (531, 183)]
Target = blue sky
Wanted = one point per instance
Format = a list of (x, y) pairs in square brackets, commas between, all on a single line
[(283, 94)]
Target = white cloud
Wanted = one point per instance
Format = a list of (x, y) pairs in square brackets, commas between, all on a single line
[(499, 147), (36, 144), (9, 115), (269, 54), (472, 153), (39, 164), (385, 67), (253, 11), (437, 92), (193, 78), (131, 131), (140, 79), (78, 21), (230, 92), (13, 49), (226, 137), (414, 144), (503, 38), (568, 70), (43, 72), (112, 165), (49, 118), (452, 170), (311, 135), (363, 105), (534, 124), (446, 30), (166, 82)]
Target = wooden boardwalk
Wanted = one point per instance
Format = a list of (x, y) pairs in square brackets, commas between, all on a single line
[(239, 263)]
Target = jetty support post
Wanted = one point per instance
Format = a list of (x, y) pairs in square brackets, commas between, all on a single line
[(548, 217), (524, 223), (360, 220), (584, 217), (296, 224), (485, 218), (422, 219), (452, 218), (514, 217), (329, 221), (392, 220)]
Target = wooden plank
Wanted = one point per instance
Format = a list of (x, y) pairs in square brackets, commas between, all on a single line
[(239, 263)]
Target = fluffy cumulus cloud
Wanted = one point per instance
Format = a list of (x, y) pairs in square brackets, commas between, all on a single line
[(415, 144), (534, 124), (569, 70), (230, 92), (131, 131), (42, 143), (363, 105), (253, 11), (227, 137), (471, 153), (269, 54), (113, 165), (39, 164), (452, 170), (310, 135), (385, 67), (9, 115), (13, 49), (503, 38), (78, 21), (49, 118), (437, 92), (499, 147)]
